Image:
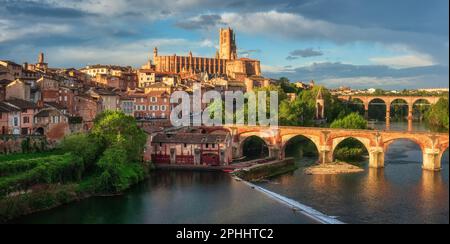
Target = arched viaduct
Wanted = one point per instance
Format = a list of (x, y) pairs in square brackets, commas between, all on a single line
[(389, 100), (326, 140)]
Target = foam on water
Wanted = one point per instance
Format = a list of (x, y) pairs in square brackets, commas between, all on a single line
[(306, 210)]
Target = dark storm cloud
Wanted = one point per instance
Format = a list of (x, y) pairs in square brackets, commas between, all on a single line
[(42, 10)]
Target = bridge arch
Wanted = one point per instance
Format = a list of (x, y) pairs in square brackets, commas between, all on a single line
[(288, 139), (254, 147), (419, 108), (422, 142), (377, 108), (399, 108), (336, 141), (358, 105), (417, 99), (443, 149), (395, 148), (384, 99)]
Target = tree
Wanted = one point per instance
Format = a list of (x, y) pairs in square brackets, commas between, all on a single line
[(351, 121), (85, 146), (111, 124), (438, 115), (350, 149)]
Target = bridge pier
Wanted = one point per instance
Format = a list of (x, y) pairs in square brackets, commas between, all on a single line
[(376, 157), (325, 155), (388, 118), (274, 152), (410, 118), (431, 159), (366, 111)]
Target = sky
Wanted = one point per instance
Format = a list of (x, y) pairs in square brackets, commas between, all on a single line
[(401, 44)]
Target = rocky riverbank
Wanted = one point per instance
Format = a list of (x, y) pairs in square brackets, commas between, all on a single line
[(332, 169)]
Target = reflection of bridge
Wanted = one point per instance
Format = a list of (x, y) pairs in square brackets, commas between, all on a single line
[(390, 100), (326, 140)]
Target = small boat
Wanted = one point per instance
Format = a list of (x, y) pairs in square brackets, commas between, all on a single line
[(228, 170)]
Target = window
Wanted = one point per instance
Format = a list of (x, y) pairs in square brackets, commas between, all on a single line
[(26, 120), (154, 99), (16, 121), (207, 146), (163, 108), (65, 98)]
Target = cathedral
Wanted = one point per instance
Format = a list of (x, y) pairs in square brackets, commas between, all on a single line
[(226, 61)]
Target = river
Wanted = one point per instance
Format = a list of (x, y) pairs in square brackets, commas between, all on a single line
[(400, 193)]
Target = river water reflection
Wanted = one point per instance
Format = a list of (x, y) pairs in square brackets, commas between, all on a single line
[(400, 193), (176, 197)]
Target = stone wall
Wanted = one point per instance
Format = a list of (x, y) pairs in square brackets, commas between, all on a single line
[(13, 144)]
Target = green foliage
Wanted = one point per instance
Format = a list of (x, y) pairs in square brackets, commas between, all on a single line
[(438, 115), (110, 124), (301, 112), (85, 146), (350, 149), (287, 86), (349, 154), (38, 144), (21, 175), (24, 156), (351, 121), (41, 199), (296, 113)]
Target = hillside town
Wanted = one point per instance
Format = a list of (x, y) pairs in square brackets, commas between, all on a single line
[(36, 99), (41, 101)]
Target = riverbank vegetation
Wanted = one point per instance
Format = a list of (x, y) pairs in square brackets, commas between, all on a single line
[(438, 115), (106, 161), (350, 150)]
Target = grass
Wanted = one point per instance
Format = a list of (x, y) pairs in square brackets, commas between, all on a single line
[(19, 156)]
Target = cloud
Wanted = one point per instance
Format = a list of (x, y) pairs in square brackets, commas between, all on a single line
[(43, 10), (201, 22), (131, 53), (337, 74), (306, 53), (280, 24), (405, 61), (11, 31), (247, 53)]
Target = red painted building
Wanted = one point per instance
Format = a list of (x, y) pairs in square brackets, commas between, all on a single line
[(191, 148)]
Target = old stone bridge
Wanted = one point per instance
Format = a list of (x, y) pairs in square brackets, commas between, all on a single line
[(410, 101), (433, 145)]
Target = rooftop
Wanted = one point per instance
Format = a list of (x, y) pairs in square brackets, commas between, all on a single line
[(21, 104), (189, 138)]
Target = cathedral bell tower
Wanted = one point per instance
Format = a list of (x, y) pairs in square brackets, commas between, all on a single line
[(227, 45)]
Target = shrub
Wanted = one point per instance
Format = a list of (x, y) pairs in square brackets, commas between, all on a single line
[(84, 146), (58, 169), (351, 121)]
